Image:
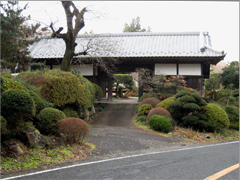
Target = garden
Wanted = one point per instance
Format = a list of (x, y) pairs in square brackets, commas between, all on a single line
[(45, 117), (173, 109)]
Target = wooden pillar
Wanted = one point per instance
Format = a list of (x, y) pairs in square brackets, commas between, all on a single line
[(110, 86), (140, 91)]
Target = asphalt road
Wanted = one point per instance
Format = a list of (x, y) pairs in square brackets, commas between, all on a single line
[(189, 163)]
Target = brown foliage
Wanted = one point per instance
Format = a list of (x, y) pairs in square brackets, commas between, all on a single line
[(73, 130), (159, 111), (153, 101)]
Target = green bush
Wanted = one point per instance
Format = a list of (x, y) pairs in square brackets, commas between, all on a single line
[(160, 123), (8, 84), (37, 66), (198, 124), (146, 95), (166, 103), (73, 130), (18, 107), (39, 102), (48, 119), (141, 119), (199, 99), (176, 110), (98, 90), (233, 116), (6, 74), (70, 112), (4, 128), (216, 115), (63, 88), (17, 104), (187, 98), (189, 107), (144, 109), (182, 93)]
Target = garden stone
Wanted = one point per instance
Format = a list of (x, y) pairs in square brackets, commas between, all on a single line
[(86, 115), (35, 139), (206, 136)]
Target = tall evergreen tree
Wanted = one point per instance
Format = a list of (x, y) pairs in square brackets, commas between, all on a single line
[(135, 26), (15, 37)]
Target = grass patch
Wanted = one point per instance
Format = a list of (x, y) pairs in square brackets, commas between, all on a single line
[(43, 157), (187, 134)]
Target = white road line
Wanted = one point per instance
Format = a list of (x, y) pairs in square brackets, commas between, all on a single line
[(113, 159)]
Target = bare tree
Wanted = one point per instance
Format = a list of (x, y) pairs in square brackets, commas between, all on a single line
[(70, 36)]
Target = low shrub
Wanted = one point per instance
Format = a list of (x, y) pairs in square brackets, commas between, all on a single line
[(98, 90), (144, 109), (47, 120), (160, 123), (216, 115), (10, 84), (152, 101), (146, 95), (18, 107), (6, 74), (39, 102), (141, 119), (198, 124), (159, 111), (166, 103), (182, 93), (70, 112), (191, 107), (37, 66), (233, 116), (73, 130), (4, 129)]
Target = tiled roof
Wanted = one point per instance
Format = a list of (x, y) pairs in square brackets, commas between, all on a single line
[(144, 44)]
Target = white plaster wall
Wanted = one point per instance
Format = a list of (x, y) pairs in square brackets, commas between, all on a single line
[(84, 69), (166, 69), (190, 69)]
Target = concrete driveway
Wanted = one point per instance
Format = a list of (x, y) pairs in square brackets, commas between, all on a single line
[(115, 135)]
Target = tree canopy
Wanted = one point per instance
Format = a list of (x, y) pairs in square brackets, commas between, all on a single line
[(230, 75), (135, 26), (16, 36)]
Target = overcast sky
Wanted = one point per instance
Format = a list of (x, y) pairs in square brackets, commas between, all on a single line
[(220, 19)]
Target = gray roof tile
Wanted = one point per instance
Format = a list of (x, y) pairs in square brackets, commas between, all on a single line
[(144, 44)]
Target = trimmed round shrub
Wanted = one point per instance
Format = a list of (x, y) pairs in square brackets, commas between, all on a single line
[(159, 111), (98, 90), (160, 123), (176, 110), (17, 105), (197, 124), (141, 119), (146, 95), (73, 130), (191, 107), (39, 102), (48, 119), (144, 109), (10, 84), (182, 93), (216, 115), (187, 98), (70, 112), (152, 101), (166, 103)]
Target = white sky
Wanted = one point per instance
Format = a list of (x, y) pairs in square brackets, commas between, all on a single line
[(220, 19)]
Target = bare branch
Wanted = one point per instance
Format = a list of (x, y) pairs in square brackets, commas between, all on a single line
[(57, 33)]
